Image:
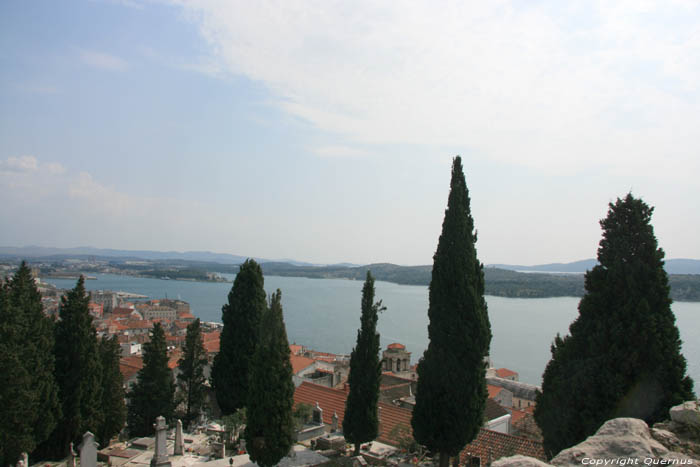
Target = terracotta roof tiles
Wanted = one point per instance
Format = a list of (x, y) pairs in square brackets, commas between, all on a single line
[(492, 445)]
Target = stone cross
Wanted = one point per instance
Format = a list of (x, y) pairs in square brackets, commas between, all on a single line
[(318, 414), (88, 451), (179, 441), (160, 457)]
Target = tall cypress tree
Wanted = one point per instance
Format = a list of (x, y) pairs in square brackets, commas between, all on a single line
[(239, 337), (622, 357), (361, 423), (113, 406), (29, 406), (191, 377), (153, 394), (451, 391), (78, 372), (269, 432)]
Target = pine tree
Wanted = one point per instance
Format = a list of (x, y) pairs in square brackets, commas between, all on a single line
[(269, 433), (29, 406), (451, 391), (361, 423), (153, 394), (113, 406), (239, 337), (191, 377), (622, 357), (78, 372)]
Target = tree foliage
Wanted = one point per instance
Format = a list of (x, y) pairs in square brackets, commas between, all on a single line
[(153, 394), (451, 391), (622, 357), (239, 337), (113, 406), (29, 406), (191, 377), (361, 423), (269, 432), (78, 372)]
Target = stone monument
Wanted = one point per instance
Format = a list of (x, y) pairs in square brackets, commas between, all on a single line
[(160, 457), (88, 451), (334, 424), (317, 415), (179, 441)]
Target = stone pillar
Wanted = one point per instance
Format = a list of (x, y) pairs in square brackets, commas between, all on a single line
[(179, 441), (88, 451), (334, 425), (71, 456), (160, 457), (317, 415)]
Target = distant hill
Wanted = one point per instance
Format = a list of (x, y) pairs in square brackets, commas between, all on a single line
[(499, 282), (86, 251), (673, 266)]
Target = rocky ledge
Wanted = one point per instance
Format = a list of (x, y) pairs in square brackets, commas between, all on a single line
[(629, 441)]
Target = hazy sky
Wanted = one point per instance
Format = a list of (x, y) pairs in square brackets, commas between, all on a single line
[(324, 130)]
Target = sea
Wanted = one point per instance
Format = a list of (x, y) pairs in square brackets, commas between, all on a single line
[(324, 315)]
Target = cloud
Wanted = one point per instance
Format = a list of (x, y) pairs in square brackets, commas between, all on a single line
[(19, 164), (555, 86), (103, 61), (47, 201)]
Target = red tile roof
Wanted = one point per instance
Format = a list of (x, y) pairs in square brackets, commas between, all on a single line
[(396, 346), (333, 401), (493, 390), (299, 363), (505, 373), (296, 349), (492, 445), (173, 358), (129, 366), (516, 415), (212, 341)]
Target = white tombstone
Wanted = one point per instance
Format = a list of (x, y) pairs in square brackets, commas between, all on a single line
[(179, 441), (160, 457), (88, 451)]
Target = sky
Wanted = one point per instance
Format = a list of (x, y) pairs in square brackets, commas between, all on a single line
[(324, 131)]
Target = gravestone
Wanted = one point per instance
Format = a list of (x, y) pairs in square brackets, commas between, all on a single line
[(334, 425), (88, 451), (160, 457), (179, 441), (317, 415)]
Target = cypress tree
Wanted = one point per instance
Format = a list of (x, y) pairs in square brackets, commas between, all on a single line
[(239, 337), (113, 406), (191, 377), (78, 372), (451, 391), (361, 423), (29, 406), (153, 394), (269, 432), (622, 357)]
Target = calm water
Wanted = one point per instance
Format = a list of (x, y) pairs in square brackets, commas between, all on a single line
[(324, 314)]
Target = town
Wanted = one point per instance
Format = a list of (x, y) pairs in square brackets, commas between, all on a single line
[(321, 388)]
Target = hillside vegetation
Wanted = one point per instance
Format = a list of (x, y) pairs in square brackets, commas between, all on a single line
[(499, 282)]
